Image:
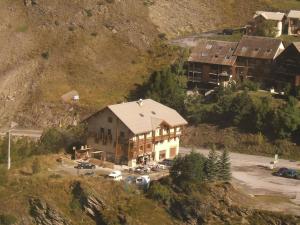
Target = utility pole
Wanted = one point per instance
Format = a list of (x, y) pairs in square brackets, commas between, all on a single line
[(12, 125), (8, 154)]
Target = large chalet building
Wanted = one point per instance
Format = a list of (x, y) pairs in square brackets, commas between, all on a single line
[(255, 58), (134, 132), (212, 62)]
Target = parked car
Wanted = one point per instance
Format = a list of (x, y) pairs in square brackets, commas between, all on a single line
[(130, 180), (227, 32), (142, 170), (290, 173), (115, 175), (85, 165), (167, 162), (158, 167), (281, 171), (143, 181)]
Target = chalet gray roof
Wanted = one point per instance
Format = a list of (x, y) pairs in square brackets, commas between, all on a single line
[(146, 115), (258, 47), (294, 14), (277, 16), (214, 52)]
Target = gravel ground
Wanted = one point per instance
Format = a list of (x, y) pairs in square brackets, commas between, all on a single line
[(252, 174)]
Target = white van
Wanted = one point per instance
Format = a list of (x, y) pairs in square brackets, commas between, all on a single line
[(115, 175), (143, 180)]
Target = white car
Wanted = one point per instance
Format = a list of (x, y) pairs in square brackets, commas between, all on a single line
[(143, 180), (115, 175)]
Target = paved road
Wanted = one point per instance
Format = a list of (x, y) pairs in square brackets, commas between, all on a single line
[(192, 41), (253, 173), (31, 133)]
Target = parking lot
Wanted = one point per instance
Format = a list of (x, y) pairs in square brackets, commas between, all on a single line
[(101, 171), (253, 175)]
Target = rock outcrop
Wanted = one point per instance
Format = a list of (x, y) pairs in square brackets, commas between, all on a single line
[(43, 214)]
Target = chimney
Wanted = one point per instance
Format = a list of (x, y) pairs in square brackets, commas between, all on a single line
[(140, 102)]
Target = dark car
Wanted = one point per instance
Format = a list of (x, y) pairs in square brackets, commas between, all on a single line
[(281, 171), (85, 165), (142, 170), (227, 32), (167, 162), (290, 174)]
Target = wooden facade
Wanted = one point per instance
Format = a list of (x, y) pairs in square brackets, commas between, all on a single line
[(212, 62), (287, 67), (210, 73)]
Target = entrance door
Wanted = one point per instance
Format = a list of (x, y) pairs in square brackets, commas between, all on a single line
[(173, 152), (162, 155)]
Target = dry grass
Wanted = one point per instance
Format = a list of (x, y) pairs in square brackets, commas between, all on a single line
[(57, 192)]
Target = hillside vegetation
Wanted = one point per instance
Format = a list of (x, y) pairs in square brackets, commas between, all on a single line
[(99, 48), (35, 191)]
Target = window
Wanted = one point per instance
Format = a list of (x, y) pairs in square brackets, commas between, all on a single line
[(148, 145), (154, 113), (141, 115), (141, 147), (122, 134), (109, 135), (110, 119)]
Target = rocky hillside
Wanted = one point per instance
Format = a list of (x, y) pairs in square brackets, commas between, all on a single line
[(99, 48), (51, 195)]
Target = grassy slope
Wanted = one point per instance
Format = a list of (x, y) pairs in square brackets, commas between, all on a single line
[(57, 192), (120, 201)]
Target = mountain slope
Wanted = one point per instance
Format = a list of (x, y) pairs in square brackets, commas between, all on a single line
[(99, 48)]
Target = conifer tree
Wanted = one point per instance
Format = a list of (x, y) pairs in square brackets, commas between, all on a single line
[(211, 165), (223, 164)]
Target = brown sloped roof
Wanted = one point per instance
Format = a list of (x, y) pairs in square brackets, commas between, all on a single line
[(214, 52), (277, 16), (297, 45), (146, 116), (258, 47), (295, 14)]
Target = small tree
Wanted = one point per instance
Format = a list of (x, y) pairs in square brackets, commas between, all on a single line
[(189, 169), (36, 166), (267, 29), (223, 164), (211, 166)]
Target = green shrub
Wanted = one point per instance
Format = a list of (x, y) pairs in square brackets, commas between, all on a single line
[(189, 168), (36, 166), (52, 140), (6, 219), (267, 28), (159, 192), (250, 85), (3, 176)]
